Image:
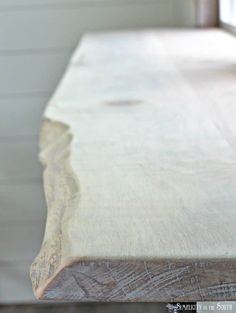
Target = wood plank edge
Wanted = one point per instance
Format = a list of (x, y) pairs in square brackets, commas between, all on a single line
[(142, 281), (55, 139)]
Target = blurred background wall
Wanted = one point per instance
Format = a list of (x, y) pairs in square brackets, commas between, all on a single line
[(37, 38)]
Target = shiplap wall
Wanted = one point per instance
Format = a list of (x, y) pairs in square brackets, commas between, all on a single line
[(37, 38)]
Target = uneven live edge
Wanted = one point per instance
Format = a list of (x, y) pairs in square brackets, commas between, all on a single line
[(138, 147)]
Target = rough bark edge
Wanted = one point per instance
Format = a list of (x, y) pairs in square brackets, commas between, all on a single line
[(143, 281), (61, 189)]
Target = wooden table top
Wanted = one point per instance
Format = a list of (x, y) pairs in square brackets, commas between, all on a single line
[(139, 148)]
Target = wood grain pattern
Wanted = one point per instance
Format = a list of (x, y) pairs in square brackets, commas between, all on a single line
[(151, 281), (138, 145)]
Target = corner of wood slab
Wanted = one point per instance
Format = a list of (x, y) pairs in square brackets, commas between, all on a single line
[(40, 292), (141, 281), (55, 140)]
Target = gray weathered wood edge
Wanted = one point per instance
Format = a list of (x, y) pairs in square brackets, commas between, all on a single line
[(143, 281)]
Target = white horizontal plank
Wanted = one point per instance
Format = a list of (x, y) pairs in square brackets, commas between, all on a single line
[(57, 3), (15, 285), (22, 202), (20, 241), (37, 73), (21, 117), (57, 26), (19, 161)]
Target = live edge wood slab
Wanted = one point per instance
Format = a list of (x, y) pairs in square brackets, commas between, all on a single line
[(139, 148)]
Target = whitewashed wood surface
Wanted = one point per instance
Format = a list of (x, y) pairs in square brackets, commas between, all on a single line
[(138, 144)]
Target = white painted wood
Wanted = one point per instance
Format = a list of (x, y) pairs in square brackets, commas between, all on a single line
[(19, 240), (31, 73), (27, 204), (138, 144), (15, 284), (19, 162), (11, 4), (21, 117), (36, 25)]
